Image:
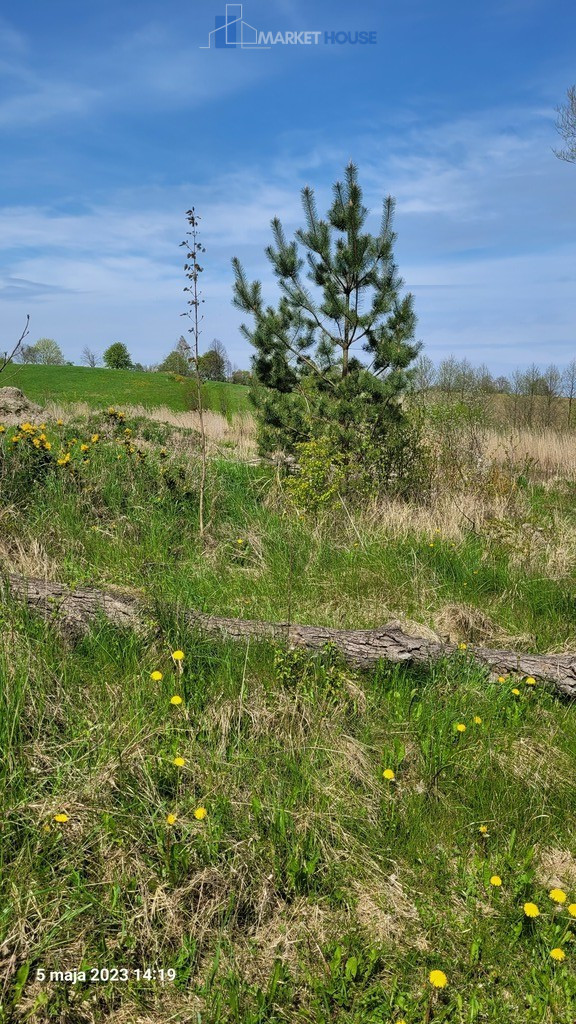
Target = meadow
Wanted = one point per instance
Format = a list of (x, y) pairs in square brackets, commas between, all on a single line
[(296, 840)]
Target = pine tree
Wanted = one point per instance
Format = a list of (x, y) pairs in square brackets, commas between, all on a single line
[(308, 381)]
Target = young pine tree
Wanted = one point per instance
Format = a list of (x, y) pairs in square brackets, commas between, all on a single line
[(309, 382)]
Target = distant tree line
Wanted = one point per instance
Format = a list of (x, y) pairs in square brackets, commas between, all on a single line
[(531, 397)]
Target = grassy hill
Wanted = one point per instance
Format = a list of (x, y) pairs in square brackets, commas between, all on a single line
[(300, 843), (101, 388)]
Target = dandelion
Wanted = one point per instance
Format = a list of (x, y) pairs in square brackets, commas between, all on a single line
[(175, 699), (84, 447), (239, 541), (200, 813), (15, 437), (47, 446), (61, 817), (64, 460), (171, 819), (477, 720), (388, 774), (2, 428), (557, 954), (531, 910), (483, 830), (179, 762), (178, 655), (558, 895), (94, 438), (530, 681), (438, 979), (572, 910), (460, 727), (502, 679), (156, 676), (516, 692), (462, 647), (59, 423), (496, 880)]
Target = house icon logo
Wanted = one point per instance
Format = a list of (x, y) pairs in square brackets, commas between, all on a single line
[(231, 32)]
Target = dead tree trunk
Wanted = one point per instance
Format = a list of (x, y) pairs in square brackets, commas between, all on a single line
[(360, 647)]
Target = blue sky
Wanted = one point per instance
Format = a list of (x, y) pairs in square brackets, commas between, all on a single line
[(115, 121)]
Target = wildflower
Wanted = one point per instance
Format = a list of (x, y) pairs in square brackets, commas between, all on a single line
[(557, 954), (462, 647), (179, 762), (175, 699), (95, 437), (47, 446), (36, 442), (438, 979), (483, 830), (84, 447), (200, 813), (61, 817), (460, 727), (16, 437), (388, 774), (156, 675), (239, 541), (127, 431), (572, 910), (170, 819), (502, 679), (557, 895), (477, 720), (530, 681), (531, 910), (496, 880), (59, 423), (64, 460), (2, 428), (516, 692), (431, 544), (178, 655)]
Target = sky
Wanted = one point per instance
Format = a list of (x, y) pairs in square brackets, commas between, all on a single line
[(116, 118)]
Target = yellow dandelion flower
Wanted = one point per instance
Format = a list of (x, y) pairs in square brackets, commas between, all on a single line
[(477, 720), (61, 817), (557, 954), (47, 446), (156, 676), (200, 813), (2, 428), (36, 442), (179, 762), (530, 681), (95, 437), (178, 655), (16, 437), (496, 880), (239, 541), (516, 692), (42, 427), (462, 647), (502, 679), (175, 699), (483, 830), (171, 819), (84, 447), (388, 774), (531, 910), (558, 895), (438, 979), (572, 910), (460, 727), (59, 423)]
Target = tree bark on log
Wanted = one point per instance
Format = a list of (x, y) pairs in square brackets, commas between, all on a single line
[(362, 648)]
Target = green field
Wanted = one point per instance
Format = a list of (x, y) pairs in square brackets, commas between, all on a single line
[(100, 387), (246, 836)]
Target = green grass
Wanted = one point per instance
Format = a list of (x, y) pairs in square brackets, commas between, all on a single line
[(314, 890), (101, 388)]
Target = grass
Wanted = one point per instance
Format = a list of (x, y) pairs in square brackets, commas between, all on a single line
[(101, 387), (314, 889)]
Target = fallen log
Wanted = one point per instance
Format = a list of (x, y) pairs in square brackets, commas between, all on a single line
[(360, 647)]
